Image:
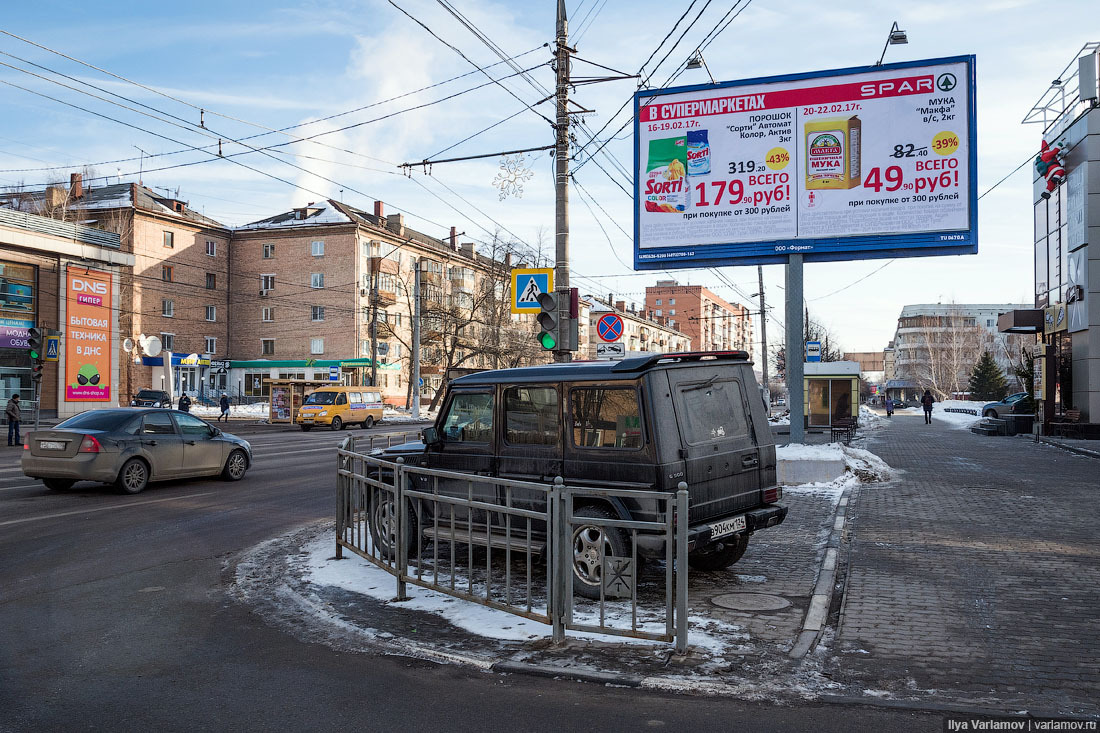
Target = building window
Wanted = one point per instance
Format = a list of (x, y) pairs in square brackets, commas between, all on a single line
[(317, 280), (211, 281), (267, 315), (267, 347), (168, 308), (211, 313), (318, 248), (317, 346), (211, 247), (659, 312), (267, 282), (672, 311), (672, 301), (269, 251), (318, 313), (211, 345), (658, 301), (166, 273), (167, 341), (169, 240)]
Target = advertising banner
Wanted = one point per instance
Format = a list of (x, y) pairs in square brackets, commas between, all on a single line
[(834, 165), (88, 349)]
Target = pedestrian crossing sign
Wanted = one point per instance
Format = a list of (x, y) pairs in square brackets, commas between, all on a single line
[(527, 285), (53, 347)]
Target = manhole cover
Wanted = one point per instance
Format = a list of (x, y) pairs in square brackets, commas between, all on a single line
[(750, 602)]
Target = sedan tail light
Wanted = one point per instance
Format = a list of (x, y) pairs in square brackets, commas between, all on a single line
[(89, 445)]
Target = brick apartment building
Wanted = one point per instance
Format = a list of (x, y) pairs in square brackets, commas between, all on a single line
[(709, 321), (178, 288)]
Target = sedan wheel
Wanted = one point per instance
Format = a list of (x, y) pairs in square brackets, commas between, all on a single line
[(134, 477), (235, 466)]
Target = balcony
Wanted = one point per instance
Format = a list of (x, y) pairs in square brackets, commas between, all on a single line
[(384, 264)]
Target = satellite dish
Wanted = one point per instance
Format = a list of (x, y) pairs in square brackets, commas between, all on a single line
[(127, 345), (151, 346)]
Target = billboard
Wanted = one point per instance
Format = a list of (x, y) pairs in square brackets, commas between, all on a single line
[(856, 163), (88, 349)]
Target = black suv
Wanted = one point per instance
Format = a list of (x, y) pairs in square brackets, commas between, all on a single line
[(641, 423), (151, 398)]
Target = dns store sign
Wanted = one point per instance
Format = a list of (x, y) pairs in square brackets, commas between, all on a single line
[(88, 352)]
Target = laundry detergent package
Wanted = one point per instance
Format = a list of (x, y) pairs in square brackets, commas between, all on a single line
[(698, 153), (832, 152), (666, 175)]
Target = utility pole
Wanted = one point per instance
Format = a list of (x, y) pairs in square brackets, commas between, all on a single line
[(561, 178), (374, 322), (796, 348), (416, 340), (763, 335)]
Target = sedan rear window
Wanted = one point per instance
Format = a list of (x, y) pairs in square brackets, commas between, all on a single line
[(97, 420)]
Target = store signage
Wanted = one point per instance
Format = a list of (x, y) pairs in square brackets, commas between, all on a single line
[(88, 347), (834, 165)]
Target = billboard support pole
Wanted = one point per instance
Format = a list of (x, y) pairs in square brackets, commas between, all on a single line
[(795, 356), (561, 164)]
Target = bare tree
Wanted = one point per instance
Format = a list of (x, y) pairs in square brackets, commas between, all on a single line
[(946, 349)]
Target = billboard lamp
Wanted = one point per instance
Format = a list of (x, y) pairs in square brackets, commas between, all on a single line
[(897, 37)]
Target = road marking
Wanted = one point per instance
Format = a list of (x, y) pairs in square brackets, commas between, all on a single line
[(294, 452), (101, 509), (27, 486)]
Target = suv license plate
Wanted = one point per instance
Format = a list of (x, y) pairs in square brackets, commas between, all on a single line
[(728, 526), (51, 445)]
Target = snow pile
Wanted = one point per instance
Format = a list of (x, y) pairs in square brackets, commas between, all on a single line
[(870, 420), (860, 466), (257, 411), (783, 418), (395, 416), (957, 419)]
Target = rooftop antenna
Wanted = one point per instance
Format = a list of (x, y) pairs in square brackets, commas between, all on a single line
[(141, 165)]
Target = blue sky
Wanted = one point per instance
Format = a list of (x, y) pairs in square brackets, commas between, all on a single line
[(277, 65)]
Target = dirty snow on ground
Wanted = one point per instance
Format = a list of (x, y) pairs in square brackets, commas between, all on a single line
[(861, 466), (957, 419), (258, 411), (361, 576)]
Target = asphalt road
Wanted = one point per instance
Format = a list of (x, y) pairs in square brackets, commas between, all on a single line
[(114, 616)]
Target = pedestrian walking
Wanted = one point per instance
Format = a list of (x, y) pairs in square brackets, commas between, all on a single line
[(927, 401), (185, 403), (14, 417), (889, 407), (224, 402)]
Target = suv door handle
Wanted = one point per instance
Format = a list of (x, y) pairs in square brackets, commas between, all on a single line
[(190, 442), (148, 442), (749, 461)]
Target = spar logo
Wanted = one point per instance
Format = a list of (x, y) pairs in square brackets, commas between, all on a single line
[(88, 292), (825, 144)]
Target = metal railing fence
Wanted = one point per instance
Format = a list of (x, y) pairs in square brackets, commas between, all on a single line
[(478, 538)]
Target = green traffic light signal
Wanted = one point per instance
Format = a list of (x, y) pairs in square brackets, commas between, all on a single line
[(547, 340), (548, 321), (34, 343)]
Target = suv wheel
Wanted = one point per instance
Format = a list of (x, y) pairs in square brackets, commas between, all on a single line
[(720, 555), (990, 413), (591, 544), (383, 525)]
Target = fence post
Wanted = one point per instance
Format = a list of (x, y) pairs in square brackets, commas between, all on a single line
[(558, 559), (342, 494), (681, 567), (402, 549)]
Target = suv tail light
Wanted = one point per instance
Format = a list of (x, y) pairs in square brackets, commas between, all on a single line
[(89, 445), (773, 495)]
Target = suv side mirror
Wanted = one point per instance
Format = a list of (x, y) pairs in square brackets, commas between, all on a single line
[(430, 436)]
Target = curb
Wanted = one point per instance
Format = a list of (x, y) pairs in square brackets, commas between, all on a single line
[(818, 612), (582, 675), (1070, 448)]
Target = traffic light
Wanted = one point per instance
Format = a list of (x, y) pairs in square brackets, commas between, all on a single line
[(36, 371), (34, 344), (548, 320)]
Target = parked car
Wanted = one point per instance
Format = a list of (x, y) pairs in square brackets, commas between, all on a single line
[(1014, 404), (151, 398), (781, 402), (644, 423), (130, 447)]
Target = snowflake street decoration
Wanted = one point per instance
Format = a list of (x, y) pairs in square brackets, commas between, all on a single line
[(513, 173)]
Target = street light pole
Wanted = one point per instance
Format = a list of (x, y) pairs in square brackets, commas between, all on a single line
[(763, 334), (561, 164)]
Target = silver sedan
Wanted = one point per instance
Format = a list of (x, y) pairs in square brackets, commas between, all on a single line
[(130, 447)]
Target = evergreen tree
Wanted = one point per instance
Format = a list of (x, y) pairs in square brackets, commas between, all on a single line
[(987, 381)]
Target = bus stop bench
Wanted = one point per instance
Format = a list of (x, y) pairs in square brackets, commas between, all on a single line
[(1069, 426), (844, 429)]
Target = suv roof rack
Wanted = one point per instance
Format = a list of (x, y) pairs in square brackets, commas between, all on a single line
[(639, 363)]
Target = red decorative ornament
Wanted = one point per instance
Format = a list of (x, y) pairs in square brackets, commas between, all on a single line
[(1050, 164)]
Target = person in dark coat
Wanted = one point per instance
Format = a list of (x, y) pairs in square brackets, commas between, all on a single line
[(926, 402), (889, 407), (14, 418), (224, 402), (185, 403)]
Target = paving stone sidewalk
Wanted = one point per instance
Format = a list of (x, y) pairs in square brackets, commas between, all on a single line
[(975, 578)]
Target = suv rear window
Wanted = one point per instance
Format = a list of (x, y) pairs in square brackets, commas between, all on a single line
[(712, 411), (606, 418)]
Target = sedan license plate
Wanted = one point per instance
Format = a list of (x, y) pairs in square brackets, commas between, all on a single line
[(728, 526), (51, 445)]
